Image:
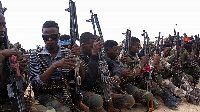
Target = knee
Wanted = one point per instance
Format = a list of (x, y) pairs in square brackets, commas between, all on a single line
[(132, 89), (95, 102), (130, 101), (148, 96)]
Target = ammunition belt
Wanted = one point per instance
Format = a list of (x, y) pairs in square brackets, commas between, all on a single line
[(53, 87)]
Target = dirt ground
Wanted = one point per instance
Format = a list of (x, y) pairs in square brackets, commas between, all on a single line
[(183, 107)]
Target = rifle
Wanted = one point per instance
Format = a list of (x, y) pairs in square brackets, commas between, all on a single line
[(15, 86), (158, 45), (147, 74), (77, 96), (177, 63), (103, 68), (126, 44)]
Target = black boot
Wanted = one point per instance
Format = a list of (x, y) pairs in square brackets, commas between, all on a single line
[(168, 99), (174, 98)]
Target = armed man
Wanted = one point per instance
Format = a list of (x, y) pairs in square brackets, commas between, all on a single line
[(131, 74), (46, 71), (11, 90)]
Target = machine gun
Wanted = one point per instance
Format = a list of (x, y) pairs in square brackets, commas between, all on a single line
[(77, 96), (103, 68), (14, 86), (147, 74)]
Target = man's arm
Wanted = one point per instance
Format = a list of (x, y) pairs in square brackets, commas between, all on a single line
[(92, 71)]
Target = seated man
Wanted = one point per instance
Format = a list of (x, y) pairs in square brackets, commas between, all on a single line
[(131, 72), (46, 71), (90, 46)]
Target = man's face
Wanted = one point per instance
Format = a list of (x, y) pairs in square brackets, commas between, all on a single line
[(112, 53), (167, 50), (144, 60), (2, 26), (134, 48), (50, 37), (87, 48)]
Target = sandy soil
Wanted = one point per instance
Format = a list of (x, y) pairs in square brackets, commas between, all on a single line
[(183, 107)]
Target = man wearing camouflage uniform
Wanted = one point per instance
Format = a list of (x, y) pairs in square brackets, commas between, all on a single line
[(130, 75), (186, 91), (111, 51)]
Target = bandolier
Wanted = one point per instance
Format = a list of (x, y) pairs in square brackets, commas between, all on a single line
[(55, 87)]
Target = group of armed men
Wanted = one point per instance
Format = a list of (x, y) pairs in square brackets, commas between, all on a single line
[(66, 78)]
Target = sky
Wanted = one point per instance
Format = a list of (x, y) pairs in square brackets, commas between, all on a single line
[(25, 18)]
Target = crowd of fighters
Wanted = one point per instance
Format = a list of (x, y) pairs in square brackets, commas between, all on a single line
[(97, 75)]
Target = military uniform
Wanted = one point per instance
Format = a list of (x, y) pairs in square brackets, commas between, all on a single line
[(185, 88), (161, 77), (140, 95)]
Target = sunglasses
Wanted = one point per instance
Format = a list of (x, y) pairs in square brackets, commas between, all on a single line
[(52, 36)]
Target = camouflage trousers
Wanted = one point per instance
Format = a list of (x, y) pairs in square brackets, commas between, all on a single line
[(125, 102), (51, 105), (140, 95), (181, 92), (93, 101)]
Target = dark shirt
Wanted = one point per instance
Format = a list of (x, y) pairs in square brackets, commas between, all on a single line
[(35, 71), (91, 71)]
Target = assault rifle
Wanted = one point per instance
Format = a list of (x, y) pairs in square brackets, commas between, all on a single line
[(126, 42), (177, 68), (77, 96), (147, 74), (15, 86), (158, 45), (103, 68)]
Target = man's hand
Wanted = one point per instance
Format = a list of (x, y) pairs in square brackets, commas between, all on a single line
[(97, 45), (158, 67), (156, 59), (75, 50), (127, 59), (126, 73), (23, 63), (67, 62), (9, 52), (116, 79), (135, 72)]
